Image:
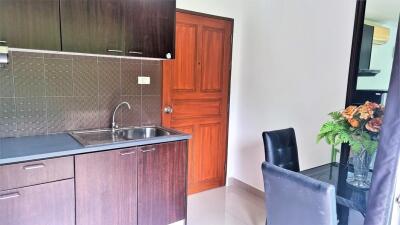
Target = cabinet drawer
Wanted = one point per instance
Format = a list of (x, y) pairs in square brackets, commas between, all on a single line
[(45, 204), (35, 172)]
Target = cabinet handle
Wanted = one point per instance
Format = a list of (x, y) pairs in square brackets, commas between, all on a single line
[(148, 150), (135, 52), (3, 42), (9, 196), (124, 153), (114, 51), (34, 166)]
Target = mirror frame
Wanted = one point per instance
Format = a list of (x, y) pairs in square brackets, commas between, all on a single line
[(353, 69), (355, 50), (351, 90)]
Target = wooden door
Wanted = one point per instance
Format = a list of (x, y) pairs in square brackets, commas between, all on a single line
[(106, 188), (30, 24), (45, 204), (162, 183), (196, 88), (92, 26), (150, 28)]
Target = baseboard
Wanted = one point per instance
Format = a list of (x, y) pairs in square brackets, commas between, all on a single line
[(238, 183), (181, 222)]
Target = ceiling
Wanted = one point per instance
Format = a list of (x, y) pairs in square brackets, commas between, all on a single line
[(383, 10)]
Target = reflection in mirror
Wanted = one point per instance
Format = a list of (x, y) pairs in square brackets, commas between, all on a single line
[(369, 82), (377, 50)]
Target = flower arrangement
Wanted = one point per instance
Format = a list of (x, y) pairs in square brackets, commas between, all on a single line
[(358, 126)]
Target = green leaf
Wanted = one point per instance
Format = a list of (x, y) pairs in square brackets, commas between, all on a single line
[(336, 115), (355, 145)]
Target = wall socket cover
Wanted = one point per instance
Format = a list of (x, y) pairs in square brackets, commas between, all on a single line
[(143, 80)]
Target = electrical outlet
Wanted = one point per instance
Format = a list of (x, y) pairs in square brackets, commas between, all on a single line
[(143, 80)]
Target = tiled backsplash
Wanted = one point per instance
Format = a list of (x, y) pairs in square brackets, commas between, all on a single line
[(44, 93)]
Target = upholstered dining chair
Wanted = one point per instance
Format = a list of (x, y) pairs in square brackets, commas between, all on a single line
[(294, 199), (281, 148)]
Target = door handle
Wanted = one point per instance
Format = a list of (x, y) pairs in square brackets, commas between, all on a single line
[(34, 166), (9, 196), (168, 110)]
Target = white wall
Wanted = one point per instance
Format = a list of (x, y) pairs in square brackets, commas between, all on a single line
[(290, 65)]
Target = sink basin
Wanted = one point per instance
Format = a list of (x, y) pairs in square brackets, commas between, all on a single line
[(107, 136), (142, 133)]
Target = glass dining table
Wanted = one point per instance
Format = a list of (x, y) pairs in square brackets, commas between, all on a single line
[(348, 197)]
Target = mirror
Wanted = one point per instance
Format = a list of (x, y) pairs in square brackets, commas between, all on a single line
[(371, 64), (377, 50)]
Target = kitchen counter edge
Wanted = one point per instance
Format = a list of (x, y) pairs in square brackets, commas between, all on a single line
[(30, 148)]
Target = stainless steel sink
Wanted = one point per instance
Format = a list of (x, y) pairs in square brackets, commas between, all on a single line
[(107, 136), (137, 133)]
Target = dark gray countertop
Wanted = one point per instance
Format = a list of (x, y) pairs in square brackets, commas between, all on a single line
[(14, 150)]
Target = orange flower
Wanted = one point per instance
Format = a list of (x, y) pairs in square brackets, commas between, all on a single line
[(353, 122), (349, 112), (374, 125), (366, 111), (372, 105)]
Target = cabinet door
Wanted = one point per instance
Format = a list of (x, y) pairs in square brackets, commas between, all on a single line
[(45, 204), (92, 26), (162, 183), (30, 24), (150, 28), (106, 191)]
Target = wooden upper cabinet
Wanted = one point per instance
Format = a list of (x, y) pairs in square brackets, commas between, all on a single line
[(30, 24), (92, 26), (141, 28), (150, 28)]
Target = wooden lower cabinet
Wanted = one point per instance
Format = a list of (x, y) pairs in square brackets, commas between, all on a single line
[(45, 204), (162, 183), (106, 188), (144, 185)]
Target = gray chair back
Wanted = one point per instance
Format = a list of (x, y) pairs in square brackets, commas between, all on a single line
[(294, 199)]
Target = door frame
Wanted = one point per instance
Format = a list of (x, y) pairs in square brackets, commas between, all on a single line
[(165, 91)]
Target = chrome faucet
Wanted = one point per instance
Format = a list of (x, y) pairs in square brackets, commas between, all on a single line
[(114, 125)]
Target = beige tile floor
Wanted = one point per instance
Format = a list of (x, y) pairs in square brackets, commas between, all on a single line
[(229, 205), (233, 205)]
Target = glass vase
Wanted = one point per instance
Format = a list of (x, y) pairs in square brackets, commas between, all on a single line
[(361, 163)]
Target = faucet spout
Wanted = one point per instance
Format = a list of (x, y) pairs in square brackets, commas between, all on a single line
[(114, 125)]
